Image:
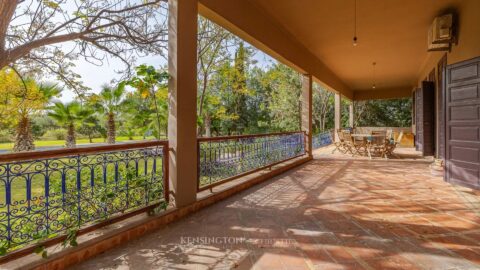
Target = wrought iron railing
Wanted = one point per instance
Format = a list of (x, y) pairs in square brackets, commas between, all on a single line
[(43, 194), (222, 159), (322, 139)]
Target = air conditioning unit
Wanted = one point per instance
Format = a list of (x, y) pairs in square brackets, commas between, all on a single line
[(441, 34)]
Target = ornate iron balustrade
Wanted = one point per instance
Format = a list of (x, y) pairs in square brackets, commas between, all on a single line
[(322, 139), (225, 158), (46, 193)]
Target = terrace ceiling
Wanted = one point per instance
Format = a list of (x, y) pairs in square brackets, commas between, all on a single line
[(391, 33)]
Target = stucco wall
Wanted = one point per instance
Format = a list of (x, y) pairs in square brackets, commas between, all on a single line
[(467, 47), (468, 39)]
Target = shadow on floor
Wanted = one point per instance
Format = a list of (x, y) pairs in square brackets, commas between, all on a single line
[(329, 214)]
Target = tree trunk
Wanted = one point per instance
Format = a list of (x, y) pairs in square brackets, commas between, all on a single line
[(7, 11), (111, 129), (202, 97), (208, 126), (90, 139), (23, 137), (157, 112), (70, 140), (322, 125)]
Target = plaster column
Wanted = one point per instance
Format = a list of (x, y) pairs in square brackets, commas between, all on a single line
[(338, 114), (182, 117), (306, 99), (351, 114)]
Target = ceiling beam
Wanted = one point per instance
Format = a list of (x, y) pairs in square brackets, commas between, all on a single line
[(383, 93), (259, 29)]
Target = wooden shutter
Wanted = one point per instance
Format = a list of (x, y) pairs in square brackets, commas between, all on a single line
[(463, 123), (425, 126)]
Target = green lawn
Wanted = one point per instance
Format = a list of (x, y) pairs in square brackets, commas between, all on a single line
[(98, 197), (9, 146)]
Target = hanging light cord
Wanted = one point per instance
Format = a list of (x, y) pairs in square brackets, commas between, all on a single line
[(355, 25), (374, 85), (355, 18)]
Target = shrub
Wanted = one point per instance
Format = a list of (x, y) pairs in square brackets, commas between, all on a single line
[(6, 136), (41, 124), (55, 134)]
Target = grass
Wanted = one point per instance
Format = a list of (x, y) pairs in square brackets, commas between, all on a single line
[(116, 195), (96, 194), (60, 143), (19, 186)]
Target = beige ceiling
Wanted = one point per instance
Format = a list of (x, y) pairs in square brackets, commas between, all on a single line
[(392, 33)]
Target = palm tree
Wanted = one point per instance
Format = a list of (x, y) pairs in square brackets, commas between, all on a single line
[(91, 127), (139, 116), (33, 99), (69, 115), (109, 102)]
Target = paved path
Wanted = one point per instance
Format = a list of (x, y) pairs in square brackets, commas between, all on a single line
[(327, 214)]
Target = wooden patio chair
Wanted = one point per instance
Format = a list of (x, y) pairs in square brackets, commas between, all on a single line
[(393, 144), (378, 144), (389, 134), (352, 146), (340, 145), (362, 146)]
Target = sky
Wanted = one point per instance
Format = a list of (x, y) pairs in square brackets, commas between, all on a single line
[(95, 76)]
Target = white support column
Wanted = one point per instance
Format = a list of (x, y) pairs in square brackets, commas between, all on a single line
[(351, 114), (338, 114), (307, 111), (182, 118)]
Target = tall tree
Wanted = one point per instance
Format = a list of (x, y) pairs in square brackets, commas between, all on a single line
[(92, 128), (236, 91), (139, 114), (109, 103), (284, 103), (213, 111), (360, 113), (345, 108), (323, 106), (257, 105), (32, 33), (20, 99), (69, 116), (384, 113), (152, 84), (214, 43)]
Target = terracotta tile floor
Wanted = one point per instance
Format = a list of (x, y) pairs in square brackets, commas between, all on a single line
[(327, 214)]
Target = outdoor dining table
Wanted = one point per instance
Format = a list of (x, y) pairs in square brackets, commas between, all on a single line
[(367, 135), (362, 136)]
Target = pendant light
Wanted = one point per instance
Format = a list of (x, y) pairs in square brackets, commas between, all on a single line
[(374, 85), (355, 39)]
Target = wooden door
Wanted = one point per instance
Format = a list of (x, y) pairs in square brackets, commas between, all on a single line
[(441, 70), (425, 111), (418, 119), (432, 78), (463, 123)]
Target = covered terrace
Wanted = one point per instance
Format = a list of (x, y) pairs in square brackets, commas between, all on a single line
[(326, 214), (269, 201)]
